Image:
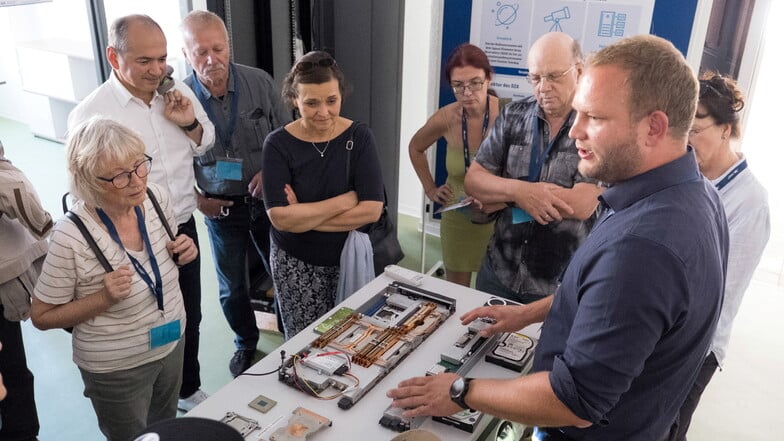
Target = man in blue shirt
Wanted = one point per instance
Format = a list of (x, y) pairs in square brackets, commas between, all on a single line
[(633, 318)]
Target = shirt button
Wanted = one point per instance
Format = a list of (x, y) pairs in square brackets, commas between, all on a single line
[(525, 241)]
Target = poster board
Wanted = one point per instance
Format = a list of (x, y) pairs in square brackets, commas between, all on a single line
[(519, 23)]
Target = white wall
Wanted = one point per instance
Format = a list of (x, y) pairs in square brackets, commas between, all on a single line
[(62, 19), (421, 54)]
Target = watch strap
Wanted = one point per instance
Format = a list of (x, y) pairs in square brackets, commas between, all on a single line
[(192, 126)]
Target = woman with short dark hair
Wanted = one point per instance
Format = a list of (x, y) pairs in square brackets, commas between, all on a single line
[(463, 124), (311, 205)]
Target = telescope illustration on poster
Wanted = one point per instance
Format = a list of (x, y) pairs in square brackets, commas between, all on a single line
[(555, 17)]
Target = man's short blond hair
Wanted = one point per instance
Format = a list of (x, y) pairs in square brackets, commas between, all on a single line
[(658, 79)]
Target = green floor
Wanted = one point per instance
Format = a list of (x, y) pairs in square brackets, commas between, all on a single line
[(65, 414)]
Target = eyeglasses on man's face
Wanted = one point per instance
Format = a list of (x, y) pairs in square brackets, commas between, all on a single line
[(122, 180), (536, 79), (304, 66), (474, 86)]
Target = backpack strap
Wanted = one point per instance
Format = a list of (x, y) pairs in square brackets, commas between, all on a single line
[(89, 238), (161, 216)]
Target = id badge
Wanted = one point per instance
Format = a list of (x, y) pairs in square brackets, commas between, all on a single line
[(164, 334), (520, 216), (229, 169)]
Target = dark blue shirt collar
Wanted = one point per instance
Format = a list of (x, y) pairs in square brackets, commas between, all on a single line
[(626, 193)]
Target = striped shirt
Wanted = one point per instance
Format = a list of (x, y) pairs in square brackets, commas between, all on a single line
[(118, 338)]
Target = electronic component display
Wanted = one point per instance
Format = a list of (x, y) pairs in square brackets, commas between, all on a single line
[(337, 317), (513, 351), (241, 424), (459, 358), (468, 344), (301, 424), (465, 420), (503, 430), (356, 351), (262, 403)]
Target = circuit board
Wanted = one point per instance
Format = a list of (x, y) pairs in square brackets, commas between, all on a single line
[(350, 357)]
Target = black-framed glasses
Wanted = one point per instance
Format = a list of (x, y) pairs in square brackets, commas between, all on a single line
[(536, 79), (474, 86), (122, 180), (304, 66)]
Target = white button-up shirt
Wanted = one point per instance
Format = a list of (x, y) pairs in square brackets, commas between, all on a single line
[(168, 144)]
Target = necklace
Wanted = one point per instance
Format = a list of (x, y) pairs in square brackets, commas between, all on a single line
[(321, 152), (326, 146)]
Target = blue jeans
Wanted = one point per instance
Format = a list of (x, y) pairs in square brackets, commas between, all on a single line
[(190, 285), (488, 281), (231, 238)]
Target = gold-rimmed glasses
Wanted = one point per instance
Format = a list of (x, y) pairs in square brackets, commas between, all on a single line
[(536, 79)]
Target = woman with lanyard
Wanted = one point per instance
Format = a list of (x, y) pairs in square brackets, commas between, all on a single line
[(745, 201), (463, 124), (126, 323)]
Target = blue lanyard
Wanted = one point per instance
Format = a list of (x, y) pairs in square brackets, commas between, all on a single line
[(536, 163), (157, 287), (223, 133), (485, 122), (731, 175)]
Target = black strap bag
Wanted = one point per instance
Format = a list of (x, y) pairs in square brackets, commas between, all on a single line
[(383, 233)]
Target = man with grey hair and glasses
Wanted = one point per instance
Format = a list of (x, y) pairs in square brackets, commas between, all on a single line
[(526, 171)]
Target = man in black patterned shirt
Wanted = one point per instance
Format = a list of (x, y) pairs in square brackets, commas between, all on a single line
[(527, 169)]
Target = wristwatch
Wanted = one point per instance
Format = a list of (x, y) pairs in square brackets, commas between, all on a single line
[(192, 126), (458, 391)]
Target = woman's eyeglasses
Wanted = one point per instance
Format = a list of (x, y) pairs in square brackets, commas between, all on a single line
[(304, 66), (123, 179), (473, 85), (694, 131)]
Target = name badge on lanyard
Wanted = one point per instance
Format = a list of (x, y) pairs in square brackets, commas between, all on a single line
[(229, 169), (165, 334), (535, 165)]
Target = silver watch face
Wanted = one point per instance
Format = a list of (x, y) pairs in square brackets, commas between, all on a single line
[(456, 390)]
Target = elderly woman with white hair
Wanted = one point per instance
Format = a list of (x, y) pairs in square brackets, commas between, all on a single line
[(127, 323)]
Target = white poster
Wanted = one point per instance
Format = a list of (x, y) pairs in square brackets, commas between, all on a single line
[(505, 29)]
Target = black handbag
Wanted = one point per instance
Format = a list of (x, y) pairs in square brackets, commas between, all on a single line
[(383, 233)]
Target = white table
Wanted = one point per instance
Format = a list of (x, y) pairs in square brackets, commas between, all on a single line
[(361, 421)]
